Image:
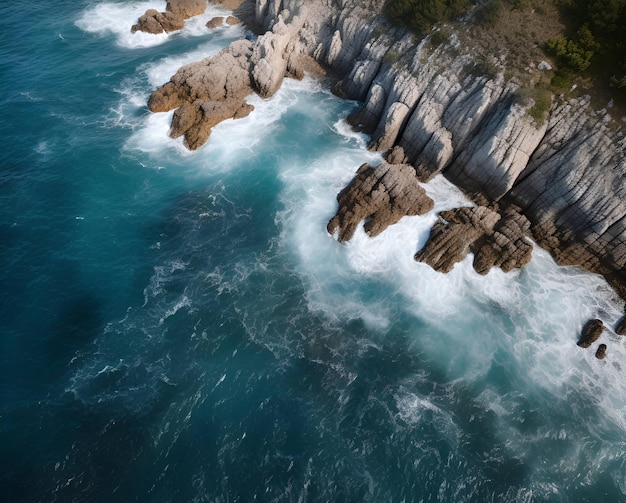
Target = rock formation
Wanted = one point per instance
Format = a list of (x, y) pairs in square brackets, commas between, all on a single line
[(381, 196), (434, 108), (495, 240), (620, 329), (207, 92), (176, 11), (591, 333)]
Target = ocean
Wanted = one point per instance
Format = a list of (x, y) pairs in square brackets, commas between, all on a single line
[(179, 326)]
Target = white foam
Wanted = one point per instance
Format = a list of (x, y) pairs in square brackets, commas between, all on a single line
[(116, 19)]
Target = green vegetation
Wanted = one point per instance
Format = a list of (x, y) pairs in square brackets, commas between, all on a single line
[(391, 57), (421, 15), (440, 37), (489, 13), (596, 40), (541, 96)]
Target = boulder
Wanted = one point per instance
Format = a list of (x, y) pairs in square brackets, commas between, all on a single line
[(591, 333), (620, 329), (176, 11), (215, 22), (601, 352), (232, 20), (381, 196)]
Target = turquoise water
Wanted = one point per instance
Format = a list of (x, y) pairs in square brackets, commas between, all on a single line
[(178, 326)]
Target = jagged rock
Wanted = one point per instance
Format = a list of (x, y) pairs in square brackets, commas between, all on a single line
[(496, 240), (186, 8), (601, 352), (451, 237), (591, 333), (381, 196), (215, 22), (206, 93), (507, 247), (620, 329), (176, 11), (567, 175)]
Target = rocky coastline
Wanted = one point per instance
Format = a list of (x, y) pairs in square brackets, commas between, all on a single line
[(432, 108)]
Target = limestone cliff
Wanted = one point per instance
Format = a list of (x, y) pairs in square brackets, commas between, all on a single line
[(436, 108)]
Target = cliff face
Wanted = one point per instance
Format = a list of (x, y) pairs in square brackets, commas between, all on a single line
[(437, 111)]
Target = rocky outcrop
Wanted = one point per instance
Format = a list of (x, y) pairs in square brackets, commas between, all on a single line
[(445, 109), (381, 196), (215, 22), (591, 333), (496, 240), (620, 329), (176, 11), (207, 92)]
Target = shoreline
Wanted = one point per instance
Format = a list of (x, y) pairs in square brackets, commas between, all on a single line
[(390, 109)]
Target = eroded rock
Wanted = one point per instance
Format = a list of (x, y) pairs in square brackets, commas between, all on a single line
[(451, 237), (620, 329), (496, 240), (381, 196), (215, 22), (176, 11), (207, 92), (591, 333)]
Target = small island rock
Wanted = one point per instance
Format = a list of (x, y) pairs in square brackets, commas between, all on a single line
[(591, 333)]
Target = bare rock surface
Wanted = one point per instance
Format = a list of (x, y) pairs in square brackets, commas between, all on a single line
[(215, 22), (496, 240), (207, 92), (176, 11), (381, 196), (620, 329), (591, 333)]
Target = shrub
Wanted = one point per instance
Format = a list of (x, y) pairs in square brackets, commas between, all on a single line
[(489, 13), (439, 37), (391, 57), (421, 15)]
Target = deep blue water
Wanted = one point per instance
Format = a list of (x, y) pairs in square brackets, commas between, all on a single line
[(178, 326)]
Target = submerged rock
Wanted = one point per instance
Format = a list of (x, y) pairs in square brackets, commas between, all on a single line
[(381, 196), (620, 329), (591, 333)]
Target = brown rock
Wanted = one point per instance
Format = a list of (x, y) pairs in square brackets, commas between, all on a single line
[(620, 329), (601, 352), (506, 247), (591, 333), (215, 22), (186, 8), (381, 196), (176, 11), (206, 92), (451, 237), (232, 20)]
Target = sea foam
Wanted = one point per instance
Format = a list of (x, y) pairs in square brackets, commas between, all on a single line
[(117, 19)]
